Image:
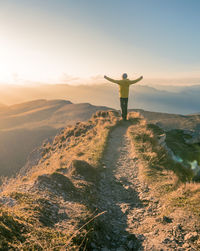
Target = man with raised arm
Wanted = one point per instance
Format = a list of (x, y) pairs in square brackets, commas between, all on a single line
[(124, 84)]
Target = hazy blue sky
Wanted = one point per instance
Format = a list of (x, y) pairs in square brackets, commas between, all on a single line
[(58, 40)]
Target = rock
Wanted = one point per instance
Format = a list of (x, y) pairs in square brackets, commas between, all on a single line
[(167, 219), (177, 231), (105, 249), (107, 237), (93, 245), (161, 139), (103, 175), (149, 209), (8, 201), (116, 231), (179, 227), (140, 237), (120, 249), (84, 169), (131, 244), (166, 240), (186, 245), (156, 231), (191, 236)]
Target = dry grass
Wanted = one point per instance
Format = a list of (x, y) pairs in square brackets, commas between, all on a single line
[(169, 181), (51, 186), (187, 197), (53, 205), (84, 141)]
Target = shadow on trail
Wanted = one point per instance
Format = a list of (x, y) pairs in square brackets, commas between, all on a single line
[(116, 195)]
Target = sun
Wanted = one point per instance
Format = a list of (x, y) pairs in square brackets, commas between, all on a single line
[(19, 62)]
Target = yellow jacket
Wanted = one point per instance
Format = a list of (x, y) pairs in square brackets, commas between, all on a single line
[(123, 85)]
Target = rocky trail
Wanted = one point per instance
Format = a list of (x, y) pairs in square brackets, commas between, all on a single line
[(120, 194), (130, 221)]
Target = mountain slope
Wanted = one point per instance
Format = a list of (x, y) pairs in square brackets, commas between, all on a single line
[(25, 126), (32, 122), (103, 184), (63, 175)]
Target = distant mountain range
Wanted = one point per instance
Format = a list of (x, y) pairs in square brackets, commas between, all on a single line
[(170, 99), (25, 126)]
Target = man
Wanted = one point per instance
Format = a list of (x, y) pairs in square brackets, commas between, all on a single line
[(124, 91)]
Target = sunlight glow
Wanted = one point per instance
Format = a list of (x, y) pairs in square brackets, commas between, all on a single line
[(46, 41)]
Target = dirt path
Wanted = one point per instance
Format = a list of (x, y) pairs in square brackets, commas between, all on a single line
[(130, 221), (119, 194)]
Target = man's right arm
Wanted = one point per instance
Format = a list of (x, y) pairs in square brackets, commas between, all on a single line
[(111, 80)]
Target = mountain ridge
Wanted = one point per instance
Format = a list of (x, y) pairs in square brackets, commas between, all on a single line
[(31, 123), (34, 121), (102, 184)]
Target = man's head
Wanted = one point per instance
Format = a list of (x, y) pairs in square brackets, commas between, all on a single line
[(124, 76)]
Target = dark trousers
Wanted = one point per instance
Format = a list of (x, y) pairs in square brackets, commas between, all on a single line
[(124, 105)]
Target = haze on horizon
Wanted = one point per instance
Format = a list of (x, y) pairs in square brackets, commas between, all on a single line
[(69, 41)]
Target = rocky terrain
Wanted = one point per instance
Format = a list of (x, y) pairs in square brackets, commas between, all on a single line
[(104, 184)]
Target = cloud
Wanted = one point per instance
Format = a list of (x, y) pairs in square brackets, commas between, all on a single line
[(70, 79), (66, 78)]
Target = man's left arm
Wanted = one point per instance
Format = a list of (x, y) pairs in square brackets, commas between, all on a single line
[(136, 80)]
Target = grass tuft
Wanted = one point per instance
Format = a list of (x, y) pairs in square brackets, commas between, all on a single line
[(171, 182)]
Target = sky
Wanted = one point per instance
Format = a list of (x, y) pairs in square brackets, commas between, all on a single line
[(71, 40)]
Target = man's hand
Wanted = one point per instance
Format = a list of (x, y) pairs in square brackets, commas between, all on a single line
[(105, 76), (141, 77)]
